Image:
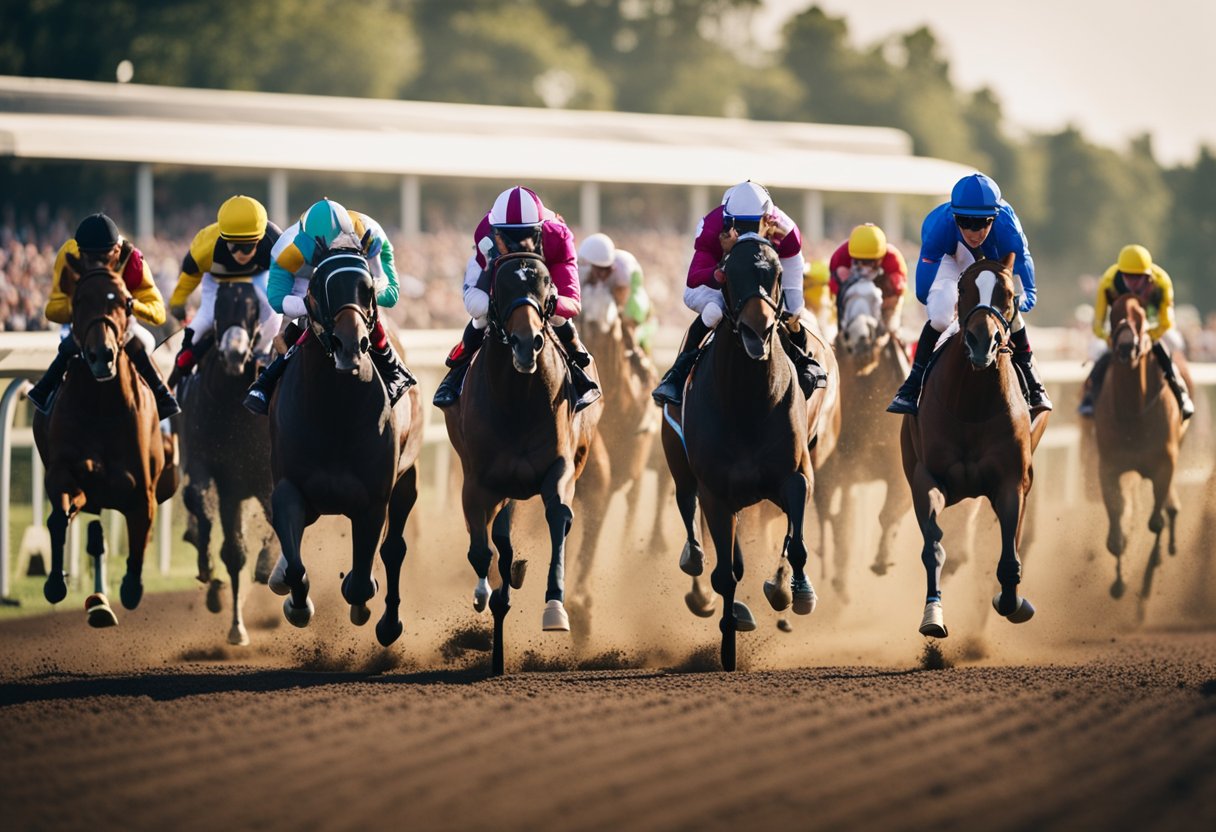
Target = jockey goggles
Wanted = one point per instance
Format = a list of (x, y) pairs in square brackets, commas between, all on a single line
[(241, 247), (973, 223)]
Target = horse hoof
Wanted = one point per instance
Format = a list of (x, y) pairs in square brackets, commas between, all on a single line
[(805, 599), (360, 598), (131, 591), (278, 577), (555, 619), (692, 561), (519, 568), (261, 572), (238, 635), (784, 625), (481, 595), (215, 602), (359, 614), (700, 604), (298, 616), (745, 622), (1023, 613), (778, 595), (1117, 589), (99, 612), (388, 631), (933, 623), (56, 588), (996, 605)]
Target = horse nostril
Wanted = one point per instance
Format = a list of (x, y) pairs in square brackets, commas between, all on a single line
[(364, 344), (108, 355), (538, 343)]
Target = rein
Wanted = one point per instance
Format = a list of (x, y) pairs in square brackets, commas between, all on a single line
[(734, 309), (78, 334)]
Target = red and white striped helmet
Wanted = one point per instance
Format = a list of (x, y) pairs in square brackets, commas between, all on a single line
[(517, 207)]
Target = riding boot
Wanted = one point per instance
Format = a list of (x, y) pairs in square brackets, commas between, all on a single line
[(811, 375), (396, 376), (585, 388), (1093, 385), (908, 398), (42, 394), (1036, 393), (257, 399), (1174, 380), (166, 404), (671, 388), (458, 361)]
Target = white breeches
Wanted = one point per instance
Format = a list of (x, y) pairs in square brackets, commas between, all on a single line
[(941, 307), (707, 302), (204, 318), (134, 330)]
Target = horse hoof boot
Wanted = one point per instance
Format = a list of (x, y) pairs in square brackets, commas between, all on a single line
[(555, 619), (131, 591), (388, 631), (519, 568), (692, 561), (97, 608), (996, 605), (805, 599), (358, 601), (56, 588), (298, 616), (215, 598), (1023, 613), (700, 604), (933, 623), (778, 595), (238, 636), (278, 577), (360, 614), (745, 622), (481, 595)]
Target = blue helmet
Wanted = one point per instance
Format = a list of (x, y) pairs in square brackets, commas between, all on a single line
[(975, 196)]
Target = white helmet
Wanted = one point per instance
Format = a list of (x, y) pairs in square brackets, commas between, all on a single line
[(747, 201), (598, 250)]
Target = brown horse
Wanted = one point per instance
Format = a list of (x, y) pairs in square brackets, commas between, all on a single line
[(1138, 427), (102, 444), (743, 436), (517, 435), (973, 436), (337, 446)]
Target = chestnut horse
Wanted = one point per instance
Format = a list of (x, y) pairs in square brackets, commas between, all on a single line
[(1138, 427), (974, 436), (517, 435), (337, 446), (102, 444)]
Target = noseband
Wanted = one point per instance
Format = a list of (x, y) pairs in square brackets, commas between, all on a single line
[(992, 311), (320, 309), (760, 291), (498, 318)]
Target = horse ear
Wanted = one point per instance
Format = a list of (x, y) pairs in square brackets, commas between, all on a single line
[(1009, 260)]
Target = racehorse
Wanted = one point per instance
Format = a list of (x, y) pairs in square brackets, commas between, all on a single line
[(517, 435), (743, 436), (974, 436), (226, 448), (1138, 427), (337, 446), (871, 363), (102, 444)]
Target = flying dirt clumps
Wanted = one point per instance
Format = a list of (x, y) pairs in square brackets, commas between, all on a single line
[(933, 658)]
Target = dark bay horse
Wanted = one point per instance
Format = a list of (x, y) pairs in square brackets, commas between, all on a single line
[(974, 436), (1139, 428), (517, 435), (226, 449), (102, 444), (744, 436), (338, 447)]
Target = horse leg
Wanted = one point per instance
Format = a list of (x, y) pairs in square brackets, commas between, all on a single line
[(723, 528), (67, 500), (479, 509), (96, 606), (512, 578), (139, 529), (359, 587), (1010, 504), (794, 498), (194, 497), (392, 554), (232, 553), (1116, 542), (840, 554), (665, 488), (1163, 479), (928, 500), (266, 557), (289, 513), (895, 505), (557, 490), (823, 505)]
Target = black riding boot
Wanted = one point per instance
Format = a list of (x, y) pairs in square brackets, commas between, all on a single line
[(257, 399), (1036, 393), (1174, 380), (458, 362), (396, 376), (908, 398), (811, 375), (166, 404), (1093, 385), (42, 394), (671, 388), (585, 389)]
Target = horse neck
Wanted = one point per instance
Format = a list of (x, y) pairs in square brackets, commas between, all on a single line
[(739, 377), (609, 351), (971, 395), (1132, 385), (114, 397), (325, 383), (513, 391), (219, 384)]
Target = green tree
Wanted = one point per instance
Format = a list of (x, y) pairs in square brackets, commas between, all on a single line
[(1190, 229)]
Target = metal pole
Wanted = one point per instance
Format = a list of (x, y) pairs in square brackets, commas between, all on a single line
[(589, 207), (892, 220), (278, 198), (15, 389), (74, 573), (698, 206), (143, 204), (411, 207), (37, 489), (814, 229)]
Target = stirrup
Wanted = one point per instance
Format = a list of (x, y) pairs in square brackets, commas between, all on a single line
[(903, 404), (255, 402)]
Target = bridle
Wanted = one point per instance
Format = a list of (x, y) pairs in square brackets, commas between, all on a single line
[(735, 308), (320, 308), (79, 334), (992, 311), (497, 317)]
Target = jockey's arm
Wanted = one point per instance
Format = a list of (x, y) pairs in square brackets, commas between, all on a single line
[(59, 305), (149, 305), (1100, 303), (286, 260), (194, 264), (1010, 237), (789, 251), (387, 296), (1165, 311)]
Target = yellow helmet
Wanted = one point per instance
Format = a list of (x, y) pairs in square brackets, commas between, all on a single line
[(816, 274), (1135, 259), (242, 218), (867, 242)]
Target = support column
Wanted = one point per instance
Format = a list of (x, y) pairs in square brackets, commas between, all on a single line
[(143, 204), (277, 209), (589, 207), (164, 536), (814, 229), (892, 219), (698, 206), (411, 207)]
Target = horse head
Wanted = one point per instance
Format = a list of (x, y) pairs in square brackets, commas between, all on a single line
[(101, 310), (236, 324), (1129, 338), (522, 299), (986, 306), (861, 329), (599, 313), (752, 293), (342, 310)]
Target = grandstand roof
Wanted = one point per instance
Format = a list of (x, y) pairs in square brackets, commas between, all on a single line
[(82, 120)]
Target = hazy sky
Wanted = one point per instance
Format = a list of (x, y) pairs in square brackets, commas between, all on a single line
[(1115, 68)]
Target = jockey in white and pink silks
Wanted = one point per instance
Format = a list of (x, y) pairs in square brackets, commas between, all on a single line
[(519, 222), (747, 211)]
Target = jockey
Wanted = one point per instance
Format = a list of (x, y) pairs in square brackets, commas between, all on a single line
[(816, 291), (327, 225), (519, 222), (97, 235), (746, 210), (867, 255), (975, 224), (1136, 273), (236, 247), (601, 261)]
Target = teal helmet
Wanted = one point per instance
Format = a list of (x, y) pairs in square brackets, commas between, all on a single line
[(326, 220)]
